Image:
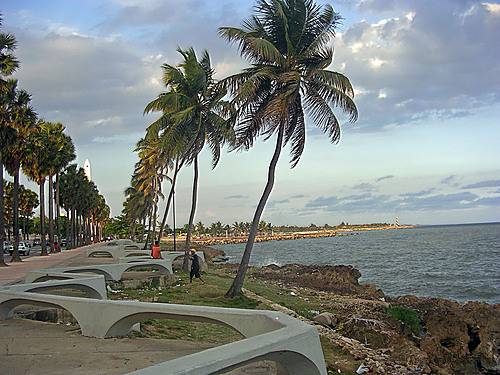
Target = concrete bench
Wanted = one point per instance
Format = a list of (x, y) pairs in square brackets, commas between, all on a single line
[(268, 335), (113, 251), (112, 271), (166, 255), (93, 285)]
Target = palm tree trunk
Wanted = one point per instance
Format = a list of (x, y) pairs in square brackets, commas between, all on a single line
[(73, 226), (173, 221), (24, 228), (42, 218), (237, 284), (143, 228), (154, 222), (169, 200), (149, 231), (58, 212), (15, 212), (2, 221), (51, 214), (77, 229), (132, 230), (194, 198), (68, 230)]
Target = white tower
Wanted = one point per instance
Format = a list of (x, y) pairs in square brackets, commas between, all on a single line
[(86, 168)]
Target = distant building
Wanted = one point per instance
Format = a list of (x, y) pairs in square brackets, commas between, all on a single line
[(86, 169)]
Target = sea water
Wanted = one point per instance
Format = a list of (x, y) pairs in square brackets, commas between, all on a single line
[(459, 262)]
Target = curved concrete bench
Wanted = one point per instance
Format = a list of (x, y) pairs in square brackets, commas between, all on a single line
[(94, 286), (112, 251), (268, 335), (112, 272)]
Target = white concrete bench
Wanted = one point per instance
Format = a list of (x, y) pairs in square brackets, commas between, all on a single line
[(268, 335), (112, 271), (93, 285)]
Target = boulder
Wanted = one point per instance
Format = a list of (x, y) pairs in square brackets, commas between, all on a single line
[(326, 319)]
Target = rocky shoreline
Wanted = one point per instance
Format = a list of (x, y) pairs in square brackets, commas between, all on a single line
[(403, 335), (208, 241)]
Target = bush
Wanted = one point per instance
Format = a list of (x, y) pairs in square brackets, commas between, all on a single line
[(405, 316)]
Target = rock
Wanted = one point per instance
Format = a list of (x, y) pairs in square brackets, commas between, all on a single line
[(362, 369), (343, 280), (326, 319)]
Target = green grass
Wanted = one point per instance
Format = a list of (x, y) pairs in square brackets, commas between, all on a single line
[(406, 316), (212, 294)]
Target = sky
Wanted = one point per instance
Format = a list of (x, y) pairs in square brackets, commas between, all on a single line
[(426, 74)]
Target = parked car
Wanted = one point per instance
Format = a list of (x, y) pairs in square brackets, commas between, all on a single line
[(5, 247), (23, 249), (37, 242)]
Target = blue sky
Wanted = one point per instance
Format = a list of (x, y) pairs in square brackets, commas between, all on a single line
[(426, 147)]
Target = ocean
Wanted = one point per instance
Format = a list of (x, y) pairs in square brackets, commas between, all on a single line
[(458, 262)]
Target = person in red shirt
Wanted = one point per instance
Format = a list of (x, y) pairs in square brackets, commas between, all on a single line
[(156, 251)]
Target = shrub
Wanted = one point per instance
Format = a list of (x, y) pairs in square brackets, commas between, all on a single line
[(405, 316)]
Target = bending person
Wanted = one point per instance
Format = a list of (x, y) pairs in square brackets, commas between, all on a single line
[(195, 267)]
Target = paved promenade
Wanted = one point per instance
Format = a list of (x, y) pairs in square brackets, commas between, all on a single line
[(15, 272)]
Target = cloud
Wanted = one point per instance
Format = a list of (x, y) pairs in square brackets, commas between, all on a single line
[(236, 196), (389, 176), (96, 87), (414, 66), (274, 203), (357, 197), (298, 196), (364, 186), (450, 180), (483, 184), (490, 201), (439, 202), (322, 202), (419, 201), (418, 193)]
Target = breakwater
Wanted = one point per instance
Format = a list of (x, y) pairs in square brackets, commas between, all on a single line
[(283, 236)]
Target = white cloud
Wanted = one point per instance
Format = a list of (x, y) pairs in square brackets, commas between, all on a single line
[(431, 68), (376, 63), (492, 8)]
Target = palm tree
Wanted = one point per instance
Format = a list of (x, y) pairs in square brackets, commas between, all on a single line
[(288, 45), (36, 168), (194, 114), (8, 64), (148, 176), (199, 228), (23, 120), (28, 201), (65, 154), (69, 181), (60, 151)]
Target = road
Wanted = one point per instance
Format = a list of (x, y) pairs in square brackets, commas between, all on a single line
[(34, 251)]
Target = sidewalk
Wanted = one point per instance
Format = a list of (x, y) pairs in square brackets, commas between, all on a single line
[(16, 272)]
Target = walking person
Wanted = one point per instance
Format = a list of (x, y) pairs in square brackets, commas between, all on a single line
[(195, 267)]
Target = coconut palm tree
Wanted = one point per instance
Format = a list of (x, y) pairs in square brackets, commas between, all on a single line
[(69, 181), (36, 167), (23, 121), (60, 151), (194, 113), (28, 201), (288, 45), (8, 65), (64, 155)]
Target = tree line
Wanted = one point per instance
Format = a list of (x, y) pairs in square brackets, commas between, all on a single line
[(287, 44), (42, 151)]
